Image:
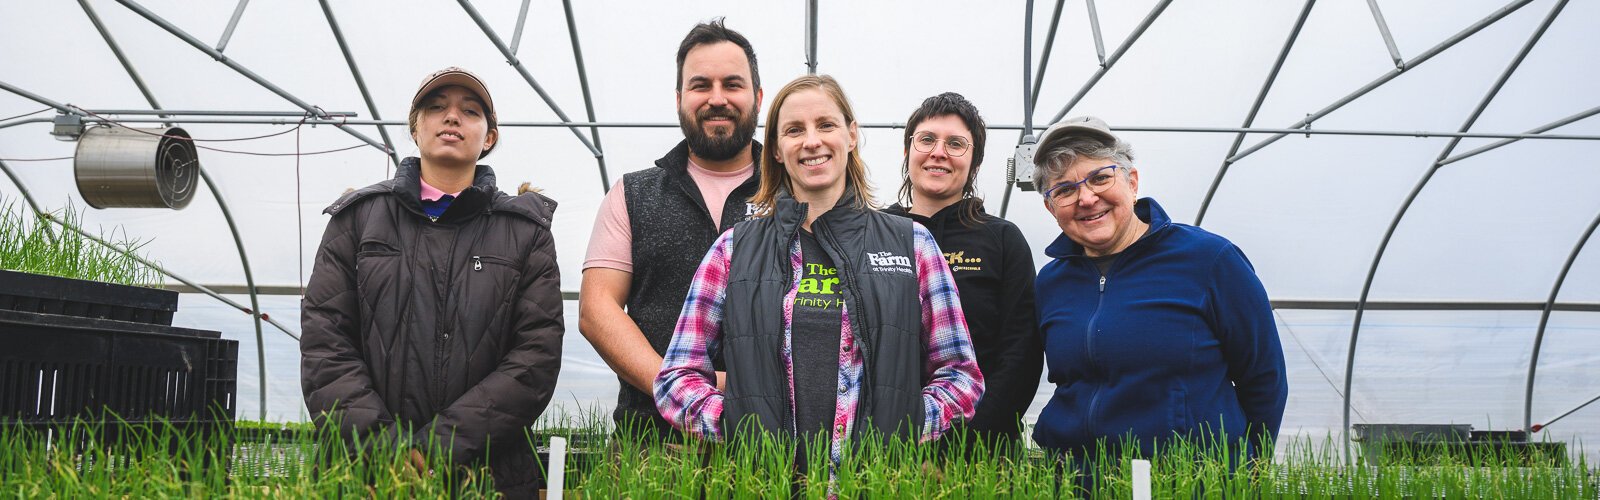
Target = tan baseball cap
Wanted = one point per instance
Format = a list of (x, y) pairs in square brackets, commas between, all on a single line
[(457, 76), (1078, 126)]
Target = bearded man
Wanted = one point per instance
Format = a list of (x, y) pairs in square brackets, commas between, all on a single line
[(655, 224)]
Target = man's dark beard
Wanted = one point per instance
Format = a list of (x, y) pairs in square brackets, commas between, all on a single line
[(715, 148)]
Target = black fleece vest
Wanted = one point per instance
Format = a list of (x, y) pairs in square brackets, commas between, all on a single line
[(876, 257), (672, 230)]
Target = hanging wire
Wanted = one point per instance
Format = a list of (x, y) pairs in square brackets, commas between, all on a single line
[(299, 217), (36, 159), (297, 153), (9, 118)]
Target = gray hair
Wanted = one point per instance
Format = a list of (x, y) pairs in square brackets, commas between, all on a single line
[(1053, 162)]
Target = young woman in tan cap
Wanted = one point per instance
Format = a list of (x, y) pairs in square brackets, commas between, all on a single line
[(433, 317)]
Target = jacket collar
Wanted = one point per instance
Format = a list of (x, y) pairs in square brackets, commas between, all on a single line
[(1146, 209), (791, 213), (481, 197), (950, 213)]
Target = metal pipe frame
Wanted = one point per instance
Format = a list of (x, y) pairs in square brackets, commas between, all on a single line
[(28, 197), (811, 37), (1544, 320), (522, 20), (361, 83), (250, 281), (1029, 95), (174, 112), (588, 100), (1027, 67), (1574, 409), (1094, 26), (1419, 134), (243, 71), (192, 287), (227, 33), (523, 70), (1250, 118), (1391, 74), (24, 121), (1277, 304), (1394, 224), (1430, 305), (1044, 58), (116, 50), (1138, 31), (1388, 38), (1499, 144), (244, 260)]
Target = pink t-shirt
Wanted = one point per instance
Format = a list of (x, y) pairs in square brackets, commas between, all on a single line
[(611, 241)]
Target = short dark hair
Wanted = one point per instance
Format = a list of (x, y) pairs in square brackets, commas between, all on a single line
[(948, 104), (715, 32)]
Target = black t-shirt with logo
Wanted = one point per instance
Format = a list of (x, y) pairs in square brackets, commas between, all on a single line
[(815, 331)]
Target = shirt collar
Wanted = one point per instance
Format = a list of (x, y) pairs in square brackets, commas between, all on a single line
[(741, 172), (430, 193)]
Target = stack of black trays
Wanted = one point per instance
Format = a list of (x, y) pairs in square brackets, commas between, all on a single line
[(84, 351)]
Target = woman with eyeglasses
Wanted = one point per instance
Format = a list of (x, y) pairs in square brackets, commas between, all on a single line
[(833, 320), (989, 257), (1153, 330)]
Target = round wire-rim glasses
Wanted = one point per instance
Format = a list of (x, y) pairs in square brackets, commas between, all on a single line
[(1098, 181), (955, 146)]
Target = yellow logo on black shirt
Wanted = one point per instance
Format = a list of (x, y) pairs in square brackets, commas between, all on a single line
[(959, 261)]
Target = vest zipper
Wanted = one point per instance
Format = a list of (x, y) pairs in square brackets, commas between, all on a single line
[(863, 405)]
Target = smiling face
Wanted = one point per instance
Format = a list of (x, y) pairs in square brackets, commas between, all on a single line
[(717, 101), (814, 144), (452, 128), (1104, 222), (936, 176)]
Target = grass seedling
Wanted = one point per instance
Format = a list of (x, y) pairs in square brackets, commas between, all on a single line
[(164, 459), (27, 246)]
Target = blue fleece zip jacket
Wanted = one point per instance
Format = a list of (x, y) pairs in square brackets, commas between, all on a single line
[(1177, 338)]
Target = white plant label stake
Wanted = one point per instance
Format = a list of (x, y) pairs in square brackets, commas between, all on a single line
[(1141, 479), (558, 469)]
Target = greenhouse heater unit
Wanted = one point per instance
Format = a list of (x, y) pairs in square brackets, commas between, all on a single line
[(122, 167)]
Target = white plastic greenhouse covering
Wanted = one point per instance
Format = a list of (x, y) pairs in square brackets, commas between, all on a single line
[(1456, 297)]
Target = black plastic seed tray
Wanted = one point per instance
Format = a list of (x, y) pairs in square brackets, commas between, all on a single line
[(38, 293), (55, 369)]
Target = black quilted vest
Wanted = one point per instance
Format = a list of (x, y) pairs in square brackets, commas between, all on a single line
[(672, 230)]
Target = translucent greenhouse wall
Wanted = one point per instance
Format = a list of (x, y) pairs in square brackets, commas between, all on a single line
[(1310, 210)]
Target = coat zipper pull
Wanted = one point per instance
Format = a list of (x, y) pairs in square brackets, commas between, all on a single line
[(477, 265), (1102, 284)]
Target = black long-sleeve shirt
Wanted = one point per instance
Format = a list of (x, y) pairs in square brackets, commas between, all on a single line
[(994, 273)]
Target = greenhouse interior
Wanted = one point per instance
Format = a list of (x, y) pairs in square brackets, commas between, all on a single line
[(1413, 182)]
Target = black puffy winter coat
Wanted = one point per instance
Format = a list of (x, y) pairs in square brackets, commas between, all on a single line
[(439, 332)]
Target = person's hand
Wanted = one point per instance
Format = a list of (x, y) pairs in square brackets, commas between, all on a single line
[(418, 463), (722, 381)]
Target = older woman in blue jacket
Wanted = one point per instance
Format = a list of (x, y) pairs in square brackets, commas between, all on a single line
[(1152, 329)]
